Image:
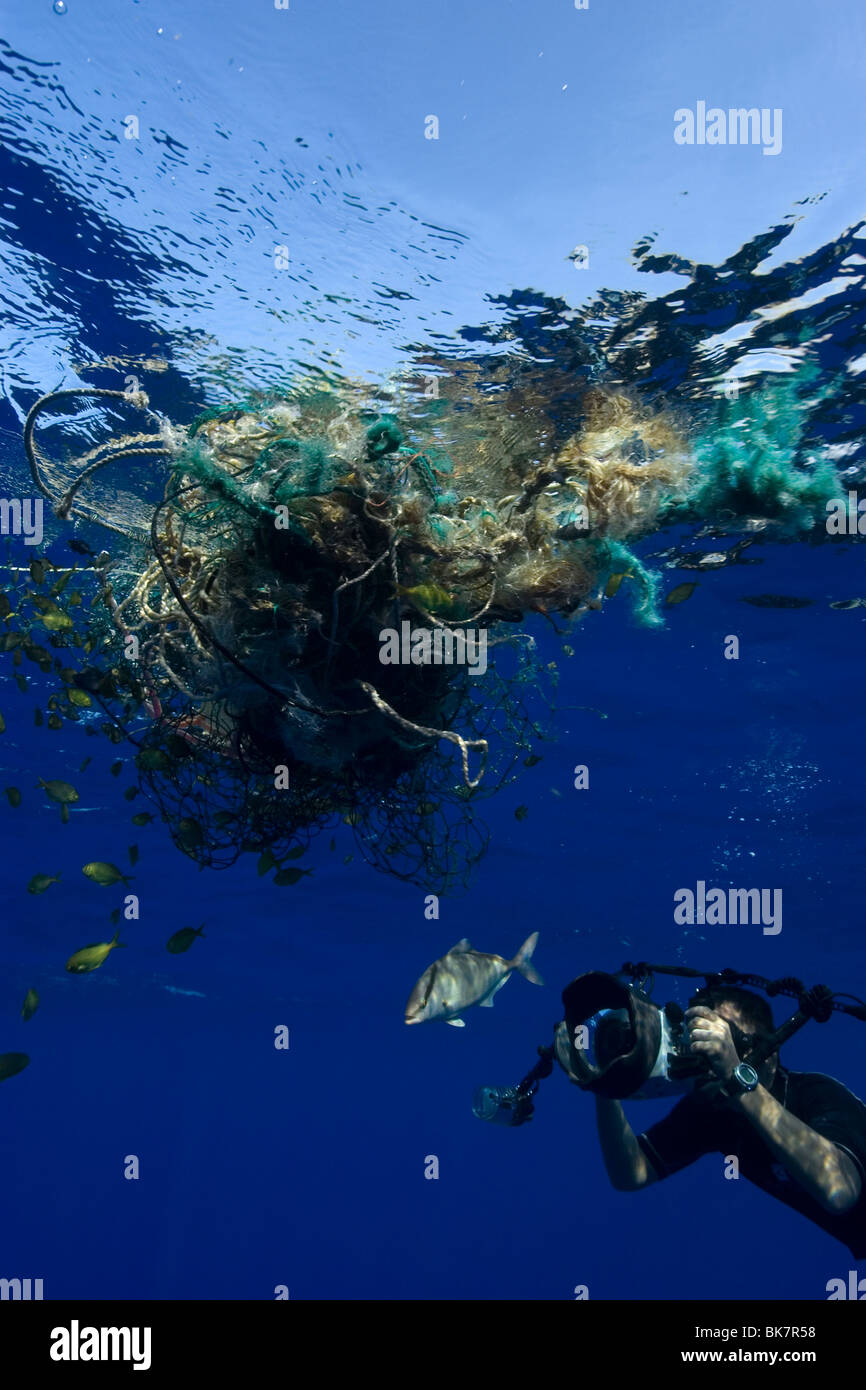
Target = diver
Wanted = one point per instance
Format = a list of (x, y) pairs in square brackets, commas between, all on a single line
[(801, 1136)]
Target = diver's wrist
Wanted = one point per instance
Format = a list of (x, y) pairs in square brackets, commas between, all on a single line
[(742, 1081)]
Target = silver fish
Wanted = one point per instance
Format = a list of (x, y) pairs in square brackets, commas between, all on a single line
[(464, 977)]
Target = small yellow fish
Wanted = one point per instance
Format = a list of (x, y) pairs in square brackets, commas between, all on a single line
[(104, 874), (63, 792), (521, 812), (38, 655), (30, 1005), (91, 957), (189, 834), (55, 620), (60, 584), (39, 882), (430, 597), (614, 582), (11, 1063), (286, 878), (42, 604), (680, 593), (153, 760), (13, 796), (183, 939)]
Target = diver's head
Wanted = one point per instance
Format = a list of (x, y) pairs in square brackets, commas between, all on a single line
[(750, 1016)]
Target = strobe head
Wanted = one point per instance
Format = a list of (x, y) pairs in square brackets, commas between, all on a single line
[(503, 1105)]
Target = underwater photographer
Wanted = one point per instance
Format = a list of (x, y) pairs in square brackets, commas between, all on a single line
[(800, 1136)]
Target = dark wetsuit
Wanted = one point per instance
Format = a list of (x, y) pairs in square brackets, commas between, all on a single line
[(695, 1127)]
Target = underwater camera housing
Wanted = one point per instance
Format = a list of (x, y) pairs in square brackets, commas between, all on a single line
[(616, 1042)]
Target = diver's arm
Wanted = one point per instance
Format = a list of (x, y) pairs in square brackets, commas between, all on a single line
[(815, 1163), (624, 1159), (818, 1165)]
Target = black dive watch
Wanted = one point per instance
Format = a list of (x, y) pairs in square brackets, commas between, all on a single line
[(743, 1079)]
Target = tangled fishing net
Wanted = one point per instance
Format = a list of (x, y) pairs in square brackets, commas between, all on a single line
[(296, 537)]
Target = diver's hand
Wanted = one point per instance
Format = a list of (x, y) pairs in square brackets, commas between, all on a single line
[(710, 1037)]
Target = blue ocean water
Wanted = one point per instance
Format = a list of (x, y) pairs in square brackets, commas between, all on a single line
[(305, 1167)]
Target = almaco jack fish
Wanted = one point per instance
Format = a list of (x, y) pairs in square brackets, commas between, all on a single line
[(464, 977)]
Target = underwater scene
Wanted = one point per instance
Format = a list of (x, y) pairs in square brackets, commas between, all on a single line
[(432, 616)]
